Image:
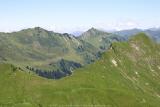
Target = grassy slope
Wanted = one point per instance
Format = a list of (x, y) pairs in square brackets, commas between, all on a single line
[(134, 82)]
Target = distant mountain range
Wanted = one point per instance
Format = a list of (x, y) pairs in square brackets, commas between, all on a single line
[(154, 33), (39, 48)]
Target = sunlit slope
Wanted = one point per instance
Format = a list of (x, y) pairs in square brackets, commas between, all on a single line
[(127, 75)]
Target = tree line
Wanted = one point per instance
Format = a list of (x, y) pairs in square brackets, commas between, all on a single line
[(50, 74)]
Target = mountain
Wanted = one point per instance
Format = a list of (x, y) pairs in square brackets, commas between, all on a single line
[(128, 33), (100, 39), (38, 48), (154, 33), (127, 75), (38, 45), (43, 50)]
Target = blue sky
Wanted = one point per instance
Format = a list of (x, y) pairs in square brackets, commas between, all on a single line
[(79, 15)]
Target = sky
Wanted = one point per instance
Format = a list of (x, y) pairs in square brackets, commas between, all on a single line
[(78, 15)]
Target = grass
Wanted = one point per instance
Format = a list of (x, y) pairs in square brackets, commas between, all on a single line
[(134, 82)]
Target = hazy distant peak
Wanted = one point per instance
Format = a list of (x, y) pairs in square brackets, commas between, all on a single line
[(94, 30), (153, 29), (39, 28)]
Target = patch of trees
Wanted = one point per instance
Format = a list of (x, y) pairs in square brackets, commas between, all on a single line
[(65, 69), (15, 68), (67, 66), (50, 74)]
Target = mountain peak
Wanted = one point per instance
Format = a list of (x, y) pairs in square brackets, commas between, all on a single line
[(39, 29), (34, 29), (94, 30)]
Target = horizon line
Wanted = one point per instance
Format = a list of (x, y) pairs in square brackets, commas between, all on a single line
[(70, 32)]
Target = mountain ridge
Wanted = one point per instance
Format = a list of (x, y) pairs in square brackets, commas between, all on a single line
[(126, 75), (38, 48)]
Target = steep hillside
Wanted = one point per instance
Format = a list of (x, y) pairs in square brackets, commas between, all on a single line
[(127, 75)]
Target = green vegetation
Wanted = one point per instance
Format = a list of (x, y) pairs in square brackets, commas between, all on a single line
[(42, 49), (127, 75)]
